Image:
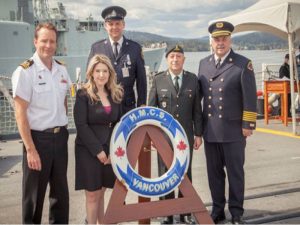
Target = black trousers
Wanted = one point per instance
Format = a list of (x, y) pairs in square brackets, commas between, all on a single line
[(232, 156), (53, 152)]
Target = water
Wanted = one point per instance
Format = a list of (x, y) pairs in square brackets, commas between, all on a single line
[(8, 125), (257, 56)]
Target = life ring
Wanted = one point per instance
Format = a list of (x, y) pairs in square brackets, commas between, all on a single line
[(149, 187)]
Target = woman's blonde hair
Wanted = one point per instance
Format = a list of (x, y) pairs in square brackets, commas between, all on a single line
[(116, 90)]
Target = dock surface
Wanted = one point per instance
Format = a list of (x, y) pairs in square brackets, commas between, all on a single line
[(272, 170)]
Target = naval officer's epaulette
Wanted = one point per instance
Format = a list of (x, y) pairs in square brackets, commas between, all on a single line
[(60, 62), (159, 73), (26, 64), (100, 41)]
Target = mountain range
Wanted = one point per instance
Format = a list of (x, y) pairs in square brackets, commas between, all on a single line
[(249, 41)]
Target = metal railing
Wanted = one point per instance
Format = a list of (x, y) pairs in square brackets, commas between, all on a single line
[(8, 125)]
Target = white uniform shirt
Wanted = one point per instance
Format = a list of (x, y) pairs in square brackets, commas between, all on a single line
[(45, 91), (120, 43), (223, 58)]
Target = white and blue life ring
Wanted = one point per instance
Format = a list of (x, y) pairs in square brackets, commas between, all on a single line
[(142, 186)]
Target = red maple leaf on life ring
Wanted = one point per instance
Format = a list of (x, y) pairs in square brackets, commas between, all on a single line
[(181, 146), (120, 152)]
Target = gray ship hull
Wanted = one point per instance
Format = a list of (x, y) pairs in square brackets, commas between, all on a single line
[(16, 46)]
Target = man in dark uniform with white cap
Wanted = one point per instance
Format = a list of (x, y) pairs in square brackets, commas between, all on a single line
[(228, 87), (126, 57), (177, 92)]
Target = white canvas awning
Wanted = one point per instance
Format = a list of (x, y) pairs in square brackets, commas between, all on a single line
[(269, 16), (278, 17)]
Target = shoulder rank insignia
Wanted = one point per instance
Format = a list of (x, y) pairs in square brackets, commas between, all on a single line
[(142, 54), (26, 64), (60, 62), (158, 73), (250, 66)]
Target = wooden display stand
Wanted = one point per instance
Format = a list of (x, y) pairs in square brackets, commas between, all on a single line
[(145, 209), (281, 87)]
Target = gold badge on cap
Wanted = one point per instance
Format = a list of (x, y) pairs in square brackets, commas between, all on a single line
[(219, 25), (177, 48)]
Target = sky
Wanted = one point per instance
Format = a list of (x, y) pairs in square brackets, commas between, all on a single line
[(170, 18)]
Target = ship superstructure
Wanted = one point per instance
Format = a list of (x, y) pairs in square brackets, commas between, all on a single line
[(75, 36)]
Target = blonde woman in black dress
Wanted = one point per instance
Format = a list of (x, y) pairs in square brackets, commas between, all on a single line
[(97, 109)]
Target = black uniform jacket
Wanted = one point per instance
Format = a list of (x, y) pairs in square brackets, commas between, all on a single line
[(94, 126), (229, 94), (184, 106), (131, 57)]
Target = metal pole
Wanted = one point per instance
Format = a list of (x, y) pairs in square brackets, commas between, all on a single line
[(292, 83)]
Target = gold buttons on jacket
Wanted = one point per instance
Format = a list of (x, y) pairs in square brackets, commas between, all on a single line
[(209, 97), (222, 79), (210, 88), (221, 98), (209, 115), (220, 107), (220, 89), (210, 79), (209, 106), (220, 116), (177, 115)]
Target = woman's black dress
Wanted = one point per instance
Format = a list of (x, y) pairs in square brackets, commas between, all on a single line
[(94, 127)]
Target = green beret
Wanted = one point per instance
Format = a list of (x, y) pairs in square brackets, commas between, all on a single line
[(176, 48)]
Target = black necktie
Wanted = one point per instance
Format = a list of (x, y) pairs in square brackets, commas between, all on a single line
[(176, 84), (116, 53), (218, 63)]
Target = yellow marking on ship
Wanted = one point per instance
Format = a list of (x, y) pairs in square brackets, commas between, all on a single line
[(276, 132)]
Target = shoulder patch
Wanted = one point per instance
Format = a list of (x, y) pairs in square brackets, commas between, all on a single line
[(250, 66), (60, 62), (26, 64)]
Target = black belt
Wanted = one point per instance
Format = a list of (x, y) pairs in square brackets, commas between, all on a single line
[(54, 130)]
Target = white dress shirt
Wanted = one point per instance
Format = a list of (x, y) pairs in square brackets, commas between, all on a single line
[(45, 91)]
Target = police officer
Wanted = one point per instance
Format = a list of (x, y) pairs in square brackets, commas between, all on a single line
[(40, 86), (126, 57), (177, 92), (229, 111)]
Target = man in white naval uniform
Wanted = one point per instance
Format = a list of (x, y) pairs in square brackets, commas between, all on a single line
[(40, 85)]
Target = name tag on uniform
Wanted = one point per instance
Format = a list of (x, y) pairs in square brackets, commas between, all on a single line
[(125, 72)]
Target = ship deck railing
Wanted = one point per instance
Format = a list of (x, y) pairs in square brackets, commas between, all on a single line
[(8, 126)]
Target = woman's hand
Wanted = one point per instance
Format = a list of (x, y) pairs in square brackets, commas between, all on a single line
[(102, 157), (107, 161)]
